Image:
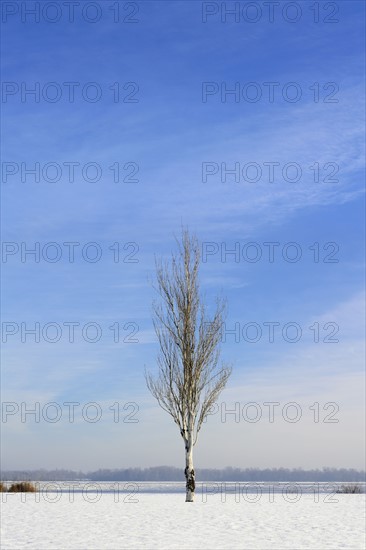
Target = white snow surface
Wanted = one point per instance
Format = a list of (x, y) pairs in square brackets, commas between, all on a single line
[(164, 521)]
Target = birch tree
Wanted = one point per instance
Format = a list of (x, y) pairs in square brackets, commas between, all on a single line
[(190, 378)]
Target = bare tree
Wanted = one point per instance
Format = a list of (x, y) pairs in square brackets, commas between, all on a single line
[(190, 379)]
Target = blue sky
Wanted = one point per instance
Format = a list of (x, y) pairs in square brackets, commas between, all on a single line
[(169, 132)]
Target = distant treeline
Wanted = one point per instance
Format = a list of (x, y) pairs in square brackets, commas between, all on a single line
[(169, 473)]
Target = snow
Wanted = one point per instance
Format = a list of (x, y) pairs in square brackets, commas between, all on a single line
[(112, 521)]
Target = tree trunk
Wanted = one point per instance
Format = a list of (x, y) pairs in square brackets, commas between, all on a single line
[(189, 472)]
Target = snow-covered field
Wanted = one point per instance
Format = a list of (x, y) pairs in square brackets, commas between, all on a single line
[(132, 520)]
